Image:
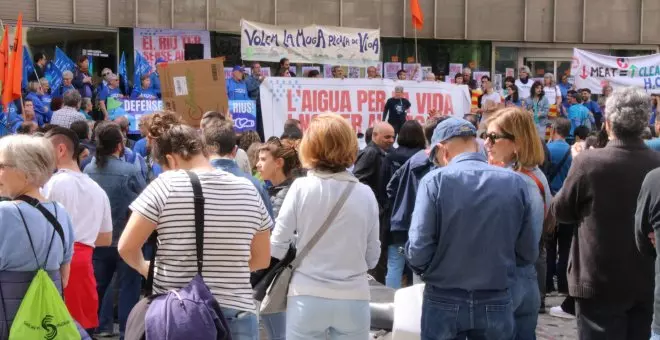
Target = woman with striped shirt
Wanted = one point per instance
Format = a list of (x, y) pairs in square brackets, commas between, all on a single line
[(236, 233)]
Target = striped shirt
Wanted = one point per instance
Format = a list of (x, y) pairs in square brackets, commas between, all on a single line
[(233, 211)]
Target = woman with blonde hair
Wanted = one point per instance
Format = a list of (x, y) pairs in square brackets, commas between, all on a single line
[(512, 141), (329, 290)]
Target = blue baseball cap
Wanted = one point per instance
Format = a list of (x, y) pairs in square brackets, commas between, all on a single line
[(238, 68), (452, 127)]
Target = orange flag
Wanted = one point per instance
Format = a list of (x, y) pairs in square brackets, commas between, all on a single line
[(12, 89), (4, 60), (417, 15)]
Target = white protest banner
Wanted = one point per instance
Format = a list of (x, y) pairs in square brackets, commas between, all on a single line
[(360, 101), (593, 71), (168, 44), (312, 44)]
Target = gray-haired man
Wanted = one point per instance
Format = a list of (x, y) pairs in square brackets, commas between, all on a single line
[(69, 112), (396, 109)]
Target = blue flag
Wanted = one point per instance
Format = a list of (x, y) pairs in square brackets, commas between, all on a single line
[(54, 75), (28, 67), (142, 67), (63, 62), (122, 71)]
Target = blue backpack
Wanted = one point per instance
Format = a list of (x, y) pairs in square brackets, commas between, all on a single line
[(188, 313)]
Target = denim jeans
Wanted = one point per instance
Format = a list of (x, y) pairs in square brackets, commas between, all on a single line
[(457, 314), (526, 303), (106, 263), (396, 262), (275, 325), (310, 317), (242, 325)]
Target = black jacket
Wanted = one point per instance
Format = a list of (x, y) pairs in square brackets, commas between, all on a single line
[(374, 169)]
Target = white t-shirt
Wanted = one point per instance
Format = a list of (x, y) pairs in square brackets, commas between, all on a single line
[(233, 214), (524, 90), (551, 93), (493, 97), (84, 200)]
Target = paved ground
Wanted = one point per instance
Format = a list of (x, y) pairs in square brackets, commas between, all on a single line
[(549, 328)]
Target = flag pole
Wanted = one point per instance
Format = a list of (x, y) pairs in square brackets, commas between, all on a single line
[(416, 58)]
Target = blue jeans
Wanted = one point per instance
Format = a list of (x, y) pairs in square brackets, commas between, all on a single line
[(310, 317), (526, 303), (243, 325), (457, 314), (275, 325), (396, 262), (106, 262)]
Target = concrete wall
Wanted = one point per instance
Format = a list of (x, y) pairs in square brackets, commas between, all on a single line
[(568, 21)]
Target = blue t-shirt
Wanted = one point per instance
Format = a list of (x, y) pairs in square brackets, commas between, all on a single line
[(16, 253), (558, 150), (47, 99), (593, 107), (60, 91), (41, 110), (149, 94), (140, 147), (653, 144), (155, 83), (108, 92), (579, 116), (8, 119), (237, 90)]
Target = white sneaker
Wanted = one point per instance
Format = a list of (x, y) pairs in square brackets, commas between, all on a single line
[(559, 313)]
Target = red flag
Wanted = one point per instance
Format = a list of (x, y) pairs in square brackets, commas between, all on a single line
[(417, 15), (4, 60), (12, 89)]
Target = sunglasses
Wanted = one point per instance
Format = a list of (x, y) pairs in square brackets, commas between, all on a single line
[(494, 137)]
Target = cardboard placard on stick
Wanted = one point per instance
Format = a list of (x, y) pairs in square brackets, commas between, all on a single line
[(193, 87)]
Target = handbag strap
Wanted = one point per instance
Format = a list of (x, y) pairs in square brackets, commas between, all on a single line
[(199, 200), (47, 214), (555, 170), (324, 227)]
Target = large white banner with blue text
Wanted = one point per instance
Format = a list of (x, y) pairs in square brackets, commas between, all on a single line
[(593, 71), (310, 44)]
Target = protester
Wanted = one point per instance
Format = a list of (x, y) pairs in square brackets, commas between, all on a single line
[(41, 110), (373, 169), (220, 141), (110, 91), (401, 75), (145, 90), (560, 154), (537, 104), (167, 207), (410, 141), (329, 291), (89, 209), (490, 101), (82, 80), (396, 109), (46, 98), (581, 133), (513, 97), (553, 94), (27, 128), (372, 73), (578, 114), (593, 107), (564, 87), (246, 139), (401, 192), (337, 72), (524, 83), (27, 116), (285, 65), (240, 157), (27, 239), (81, 129), (466, 259), (610, 280), (458, 79), (253, 82), (606, 93), (105, 169), (40, 60), (154, 77), (68, 114), (513, 141), (314, 74)]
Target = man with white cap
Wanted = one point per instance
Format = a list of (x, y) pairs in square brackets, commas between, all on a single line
[(470, 226)]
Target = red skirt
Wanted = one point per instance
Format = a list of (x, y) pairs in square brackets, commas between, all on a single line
[(80, 294)]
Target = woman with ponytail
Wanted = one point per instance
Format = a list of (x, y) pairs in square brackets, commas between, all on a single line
[(122, 182)]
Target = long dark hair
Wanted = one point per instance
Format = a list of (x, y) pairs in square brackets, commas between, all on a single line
[(108, 138), (537, 83), (515, 96)]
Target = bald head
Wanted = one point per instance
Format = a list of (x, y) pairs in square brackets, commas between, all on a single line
[(383, 135)]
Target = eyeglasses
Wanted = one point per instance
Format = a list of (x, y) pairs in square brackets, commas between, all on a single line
[(494, 136), (106, 74)]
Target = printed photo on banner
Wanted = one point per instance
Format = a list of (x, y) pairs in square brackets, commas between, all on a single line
[(354, 72), (360, 101), (593, 71), (244, 114), (311, 44), (133, 109), (379, 69), (455, 68), (413, 71), (155, 43), (327, 71), (391, 68), (426, 70)]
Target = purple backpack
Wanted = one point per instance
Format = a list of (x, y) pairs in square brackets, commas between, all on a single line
[(189, 313)]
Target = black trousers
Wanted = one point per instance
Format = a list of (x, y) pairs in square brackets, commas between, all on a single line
[(558, 251), (607, 320)]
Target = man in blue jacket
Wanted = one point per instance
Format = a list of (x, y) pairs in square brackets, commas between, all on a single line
[(401, 193), (236, 86), (471, 225)]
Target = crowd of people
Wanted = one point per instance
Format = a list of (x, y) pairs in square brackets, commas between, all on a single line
[(538, 190)]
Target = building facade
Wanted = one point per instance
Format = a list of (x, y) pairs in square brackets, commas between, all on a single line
[(487, 35)]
